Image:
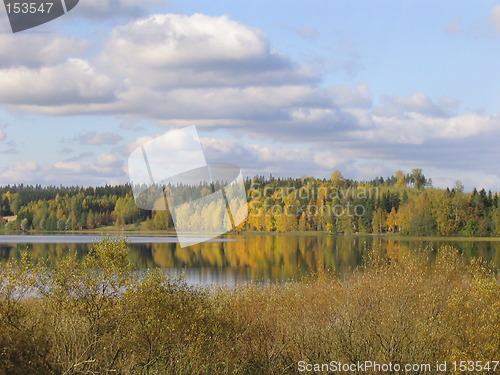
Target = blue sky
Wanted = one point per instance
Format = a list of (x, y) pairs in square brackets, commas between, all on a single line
[(292, 88)]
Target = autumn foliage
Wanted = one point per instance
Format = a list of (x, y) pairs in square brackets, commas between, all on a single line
[(97, 315)]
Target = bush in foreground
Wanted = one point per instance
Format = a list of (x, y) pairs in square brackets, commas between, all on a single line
[(98, 316)]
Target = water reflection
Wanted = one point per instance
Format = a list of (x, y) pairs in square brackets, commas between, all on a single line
[(263, 258)]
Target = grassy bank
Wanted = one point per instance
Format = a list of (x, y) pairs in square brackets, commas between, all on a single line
[(97, 316)]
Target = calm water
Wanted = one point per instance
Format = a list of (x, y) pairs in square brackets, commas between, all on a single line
[(241, 258)]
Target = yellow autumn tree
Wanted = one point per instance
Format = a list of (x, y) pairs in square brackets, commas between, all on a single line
[(392, 220), (400, 179), (337, 179)]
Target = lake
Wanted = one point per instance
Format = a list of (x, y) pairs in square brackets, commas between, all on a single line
[(236, 259)]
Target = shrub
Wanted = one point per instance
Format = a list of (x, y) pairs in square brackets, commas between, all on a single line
[(98, 315)]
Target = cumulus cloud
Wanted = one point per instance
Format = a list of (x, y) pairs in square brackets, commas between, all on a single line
[(70, 82), (180, 70), (127, 149), (415, 128), (19, 171), (95, 138), (104, 165), (171, 68), (169, 50), (329, 160), (283, 160), (464, 143), (217, 73), (417, 103), (155, 41), (34, 50), (107, 161), (277, 159), (105, 168)]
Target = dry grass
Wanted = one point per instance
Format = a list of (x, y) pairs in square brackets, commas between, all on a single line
[(97, 316)]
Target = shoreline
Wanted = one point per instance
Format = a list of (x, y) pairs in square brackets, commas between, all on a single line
[(166, 233)]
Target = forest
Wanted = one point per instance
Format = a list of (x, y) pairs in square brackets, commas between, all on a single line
[(404, 203)]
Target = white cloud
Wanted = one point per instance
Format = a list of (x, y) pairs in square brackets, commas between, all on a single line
[(104, 169), (18, 172), (495, 18), (106, 161), (74, 81), (26, 166), (278, 159), (416, 128), (218, 73), (37, 49), (171, 40), (347, 96), (71, 166), (127, 149), (467, 125), (95, 138), (328, 160), (105, 165), (418, 103), (171, 68), (472, 180), (169, 50)]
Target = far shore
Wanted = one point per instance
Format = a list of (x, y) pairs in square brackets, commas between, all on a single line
[(133, 230)]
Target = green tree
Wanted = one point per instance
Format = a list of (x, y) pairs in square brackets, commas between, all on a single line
[(418, 178), (24, 224), (379, 221)]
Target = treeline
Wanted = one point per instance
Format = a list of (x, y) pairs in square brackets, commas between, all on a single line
[(403, 203), (68, 208)]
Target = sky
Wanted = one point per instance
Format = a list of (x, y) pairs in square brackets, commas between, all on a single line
[(288, 88)]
